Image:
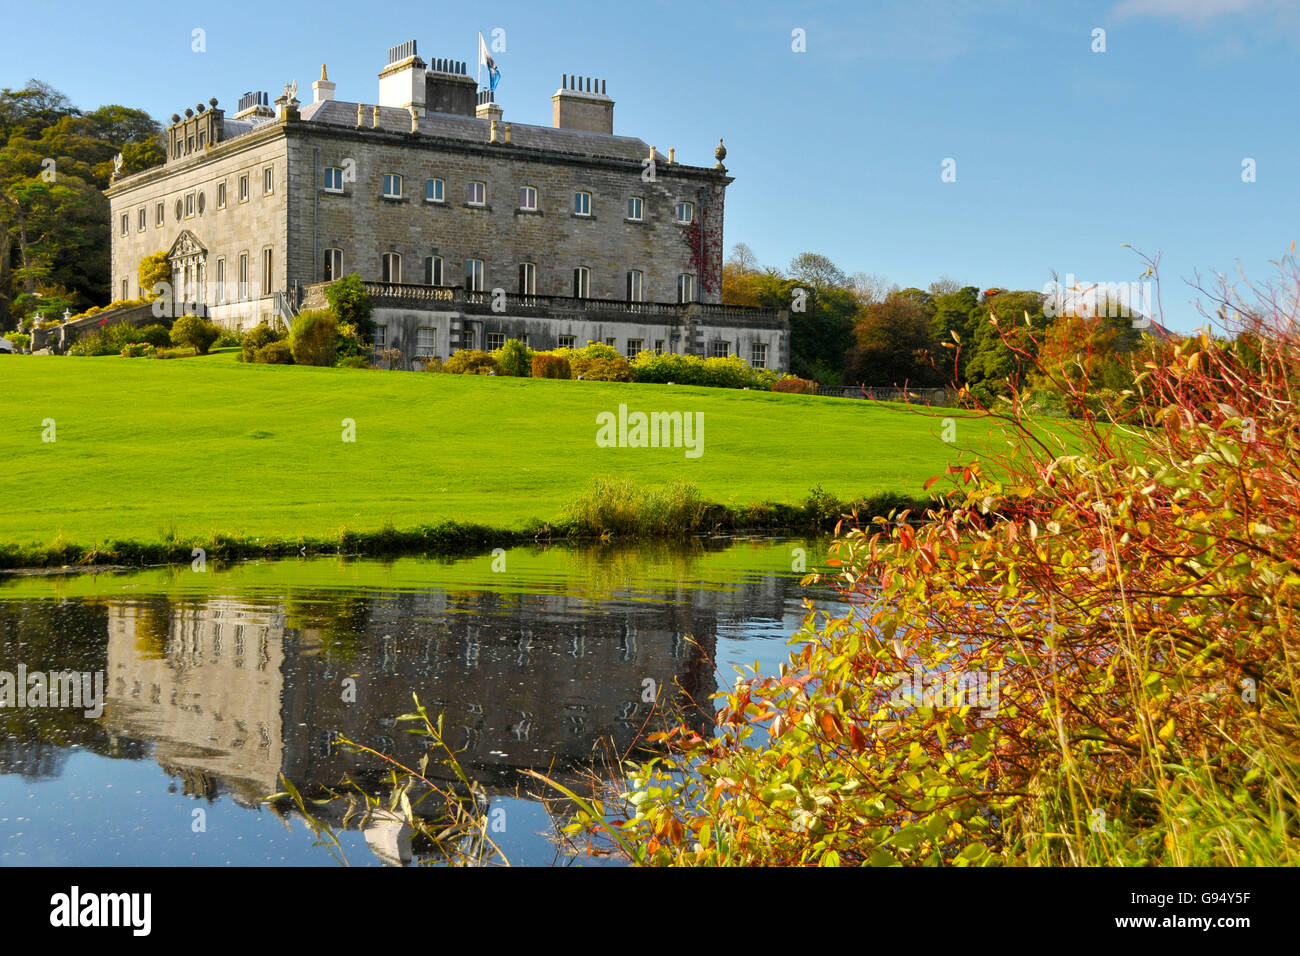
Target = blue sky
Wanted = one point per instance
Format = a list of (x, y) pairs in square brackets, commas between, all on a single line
[(1062, 154)]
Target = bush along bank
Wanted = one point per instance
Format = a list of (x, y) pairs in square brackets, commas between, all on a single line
[(609, 508)]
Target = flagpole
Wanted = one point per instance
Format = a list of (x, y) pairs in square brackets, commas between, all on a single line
[(478, 76)]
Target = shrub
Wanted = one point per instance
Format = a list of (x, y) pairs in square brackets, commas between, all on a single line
[(105, 340), (256, 337), (277, 352), (314, 337), (602, 369), (551, 366), (156, 335), (1120, 614), (729, 372), (20, 339), (351, 305), (352, 361), (595, 350), (139, 350), (514, 358), (794, 385), (228, 338), (470, 362), (194, 331)]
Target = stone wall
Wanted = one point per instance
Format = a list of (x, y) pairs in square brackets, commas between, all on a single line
[(365, 226)]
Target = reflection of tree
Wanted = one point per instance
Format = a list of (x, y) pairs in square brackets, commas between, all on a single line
[(50, 636), (152, 624)]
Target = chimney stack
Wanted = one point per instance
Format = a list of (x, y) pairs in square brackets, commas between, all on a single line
[(581, 103), (322, 89), (448, 88), (487, 109), (402, 81)]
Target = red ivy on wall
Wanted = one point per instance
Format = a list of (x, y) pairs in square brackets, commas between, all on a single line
[(704, 240)]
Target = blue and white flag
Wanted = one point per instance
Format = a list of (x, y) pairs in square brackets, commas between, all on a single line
[(485, 59)]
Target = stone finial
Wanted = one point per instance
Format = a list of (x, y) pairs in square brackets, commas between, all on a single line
[(360, 115), (415, 119), (322, 72), (200, 107), (507, 132), (374, 117), (492, 133), (176, 117), (652, 154), (721, 153), (672, 154), (212, 101), (188, 112)]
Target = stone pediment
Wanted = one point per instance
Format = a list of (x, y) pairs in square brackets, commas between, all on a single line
[(187, 244)]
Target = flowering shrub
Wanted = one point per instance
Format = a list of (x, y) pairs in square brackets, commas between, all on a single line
[(139, 350)]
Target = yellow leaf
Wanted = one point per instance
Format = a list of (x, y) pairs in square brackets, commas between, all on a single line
[(1167, 730)]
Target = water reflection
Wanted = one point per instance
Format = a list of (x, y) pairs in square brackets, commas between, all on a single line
[(229, 689)]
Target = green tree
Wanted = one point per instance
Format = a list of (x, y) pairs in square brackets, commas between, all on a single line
[(351, 305)]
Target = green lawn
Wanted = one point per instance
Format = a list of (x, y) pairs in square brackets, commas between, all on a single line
[(146, 449)]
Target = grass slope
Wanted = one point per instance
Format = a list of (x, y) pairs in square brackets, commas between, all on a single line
[(148, 450)]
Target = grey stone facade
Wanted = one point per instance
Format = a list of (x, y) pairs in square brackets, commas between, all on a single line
[(258, 208)]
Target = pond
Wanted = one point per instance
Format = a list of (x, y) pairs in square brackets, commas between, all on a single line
[(216, 681)]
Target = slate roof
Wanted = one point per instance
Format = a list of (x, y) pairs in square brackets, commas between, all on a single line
[(471, 129)]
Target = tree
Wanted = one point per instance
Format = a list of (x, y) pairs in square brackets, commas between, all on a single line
[(894, 345), (743, 258), (154, 269), (993, 362), (818, 271), (953, 312), (869, 287)]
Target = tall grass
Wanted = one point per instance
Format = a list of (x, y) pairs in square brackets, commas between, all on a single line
[(619, 506)]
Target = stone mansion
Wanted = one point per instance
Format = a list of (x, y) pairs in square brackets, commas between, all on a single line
[(467, 229)]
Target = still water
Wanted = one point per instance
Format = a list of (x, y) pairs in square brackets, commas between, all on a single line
[(216, 682)]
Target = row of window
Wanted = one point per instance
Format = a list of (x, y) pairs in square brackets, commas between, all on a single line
[(196, 201), (426, 344), (390, 270), (435, 191)]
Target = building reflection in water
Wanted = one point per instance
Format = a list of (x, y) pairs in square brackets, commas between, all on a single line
[(234, 693)]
